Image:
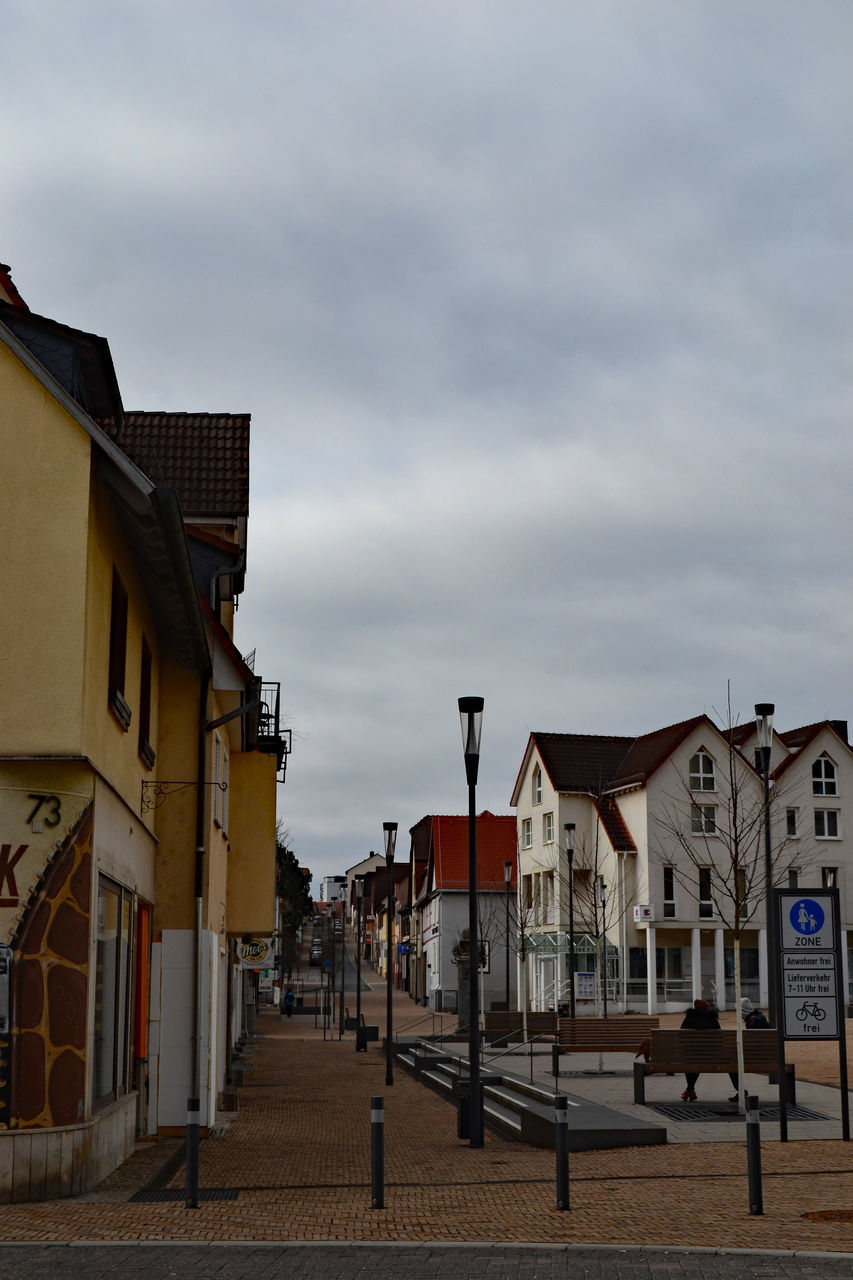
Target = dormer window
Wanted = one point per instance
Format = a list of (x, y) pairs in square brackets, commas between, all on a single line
[(823, 777), (537, 785), (702, 772)]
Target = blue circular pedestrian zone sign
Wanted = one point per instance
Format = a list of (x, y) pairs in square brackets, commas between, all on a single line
[(806, 917)]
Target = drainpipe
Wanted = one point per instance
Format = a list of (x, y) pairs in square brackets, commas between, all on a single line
[(623, 932), (194, 1102)]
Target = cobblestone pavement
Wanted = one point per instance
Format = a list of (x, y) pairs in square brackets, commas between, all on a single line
[(293, 1165), (418, 1262)]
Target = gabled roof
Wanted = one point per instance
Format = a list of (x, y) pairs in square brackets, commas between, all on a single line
[(796, 740), (650, 751), (448, 858), (205, 456), (615, 825), (150, 515), (593, 764), (80, 362)]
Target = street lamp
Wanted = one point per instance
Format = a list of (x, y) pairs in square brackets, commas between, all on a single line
[(471, 717), (359, 903), (569, 828), (507, 878), (764, 725), (602, 902), (390, 830)]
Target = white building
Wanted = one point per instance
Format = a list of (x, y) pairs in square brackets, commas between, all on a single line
[(652, 830)]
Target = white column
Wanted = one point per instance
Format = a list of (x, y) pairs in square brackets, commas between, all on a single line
[(720, 967), (651, 970), (696, 962), (763, 990)]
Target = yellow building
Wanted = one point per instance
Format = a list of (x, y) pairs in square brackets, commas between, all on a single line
[(138, 764)]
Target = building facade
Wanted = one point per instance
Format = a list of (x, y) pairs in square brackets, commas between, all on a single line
[(667, 884), (137, 776)]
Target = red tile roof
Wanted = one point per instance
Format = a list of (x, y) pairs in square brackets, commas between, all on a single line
[(496, 844), (205, 456)]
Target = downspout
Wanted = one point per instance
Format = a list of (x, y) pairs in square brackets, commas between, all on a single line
[(194, 1102), (623, 931)]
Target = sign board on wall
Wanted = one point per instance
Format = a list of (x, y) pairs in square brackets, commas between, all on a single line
[(34, 823), (259, 953)]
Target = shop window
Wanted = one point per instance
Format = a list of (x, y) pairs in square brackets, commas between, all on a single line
[(113, 994)]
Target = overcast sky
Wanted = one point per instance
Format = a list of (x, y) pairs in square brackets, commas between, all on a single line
[(544, 316)]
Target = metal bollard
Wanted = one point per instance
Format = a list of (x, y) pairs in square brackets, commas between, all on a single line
[(561, 1148), (753, 1154), (193, 1122), (377, 1153), (463, 1113)]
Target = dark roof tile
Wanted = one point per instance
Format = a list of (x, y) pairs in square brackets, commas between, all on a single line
[(205, 456)]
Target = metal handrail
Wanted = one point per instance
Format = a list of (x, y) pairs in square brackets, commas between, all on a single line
[(543, 1035)]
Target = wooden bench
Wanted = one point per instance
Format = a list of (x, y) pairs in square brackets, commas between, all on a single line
[(623, 1033), (685, 1050), (503, 1026)]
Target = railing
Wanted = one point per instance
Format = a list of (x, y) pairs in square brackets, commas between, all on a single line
[(518, 1050)]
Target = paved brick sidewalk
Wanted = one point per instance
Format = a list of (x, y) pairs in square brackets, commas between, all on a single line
[(296, 1160)]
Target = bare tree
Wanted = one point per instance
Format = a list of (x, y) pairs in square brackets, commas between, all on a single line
[(723, 866)]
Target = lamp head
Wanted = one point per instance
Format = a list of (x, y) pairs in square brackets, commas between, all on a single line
[(507, 873), (471, 718), (764, 723), (390, 831)]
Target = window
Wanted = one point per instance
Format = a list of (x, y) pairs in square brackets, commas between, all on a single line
[(527, 892), (537, 785), (828, 877), (548, 828), (826, 824), (703, 819), (527, 833), (823, 777), (145, 749), (118, 653), (113, 994), (702, 771), (669, 893), (793, 878), (792, 822), (706, 901)]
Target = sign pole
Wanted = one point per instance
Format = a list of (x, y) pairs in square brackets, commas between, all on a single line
[(842, 1025), (813, 980)]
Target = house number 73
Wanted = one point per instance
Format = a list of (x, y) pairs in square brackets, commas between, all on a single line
[(53, 813)]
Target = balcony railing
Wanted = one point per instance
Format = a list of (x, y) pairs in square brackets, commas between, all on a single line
[(272, 739)]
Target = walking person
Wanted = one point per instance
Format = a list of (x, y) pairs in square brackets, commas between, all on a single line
[(289, 1001)]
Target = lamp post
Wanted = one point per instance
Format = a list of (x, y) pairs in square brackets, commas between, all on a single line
[(764, 724), (359, 903), (390, 830), (569, 828), (507, 879), (471, 717), (602, 902)]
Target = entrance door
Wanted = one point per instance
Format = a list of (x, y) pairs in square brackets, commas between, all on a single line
[(546, 983)]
